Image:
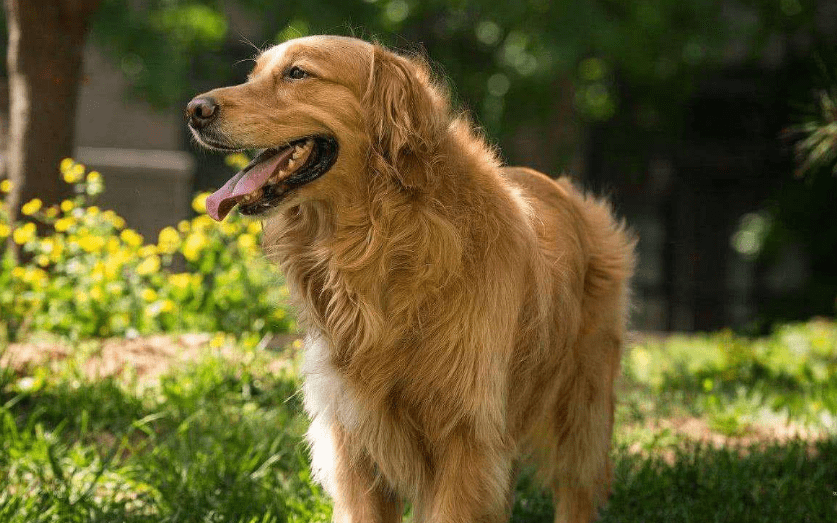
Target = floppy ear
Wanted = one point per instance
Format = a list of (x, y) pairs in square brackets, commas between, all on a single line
[(403, 115)]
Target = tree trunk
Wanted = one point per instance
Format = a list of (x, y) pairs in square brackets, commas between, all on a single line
[(46, 44)]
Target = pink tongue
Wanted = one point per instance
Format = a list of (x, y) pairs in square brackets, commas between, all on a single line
[(220, 203)]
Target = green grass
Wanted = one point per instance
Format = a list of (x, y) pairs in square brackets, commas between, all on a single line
[(221, 439)]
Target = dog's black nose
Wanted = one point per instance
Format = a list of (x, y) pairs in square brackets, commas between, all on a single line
[(202, 111)]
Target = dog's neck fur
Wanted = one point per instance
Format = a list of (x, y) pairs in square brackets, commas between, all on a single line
[(389, 255)]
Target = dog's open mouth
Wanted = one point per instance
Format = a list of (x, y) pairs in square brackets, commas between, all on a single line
[(265, 181)]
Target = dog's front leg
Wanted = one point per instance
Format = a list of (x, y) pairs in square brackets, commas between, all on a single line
[(360, 496), (471, 483)]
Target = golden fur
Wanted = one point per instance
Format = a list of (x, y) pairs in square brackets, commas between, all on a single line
[(463, 316)]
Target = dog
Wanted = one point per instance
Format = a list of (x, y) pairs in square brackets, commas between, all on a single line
[(463, 317)]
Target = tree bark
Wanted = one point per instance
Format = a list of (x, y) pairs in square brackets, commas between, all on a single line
[(46, 45)]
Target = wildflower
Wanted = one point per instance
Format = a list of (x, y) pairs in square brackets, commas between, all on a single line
[(91, 243), (217, 340), (23, 234), (199, 203), (149, 265), (246, 242), (183, 226), (5, 186), (93, 177), (51, 211), (93, 211), (63, 224), (42, 260), (148, 295), (67, 205), (193, 246), (131, 237), (237, 160), (168, 241), (202, 222), (5, 230), (114, 219), (180, 280), (74, 173), (31, 207), (254, 228)]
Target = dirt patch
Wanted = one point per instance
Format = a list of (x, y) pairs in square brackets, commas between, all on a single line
[(144, 358)]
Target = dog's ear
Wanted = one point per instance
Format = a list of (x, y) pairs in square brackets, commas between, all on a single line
[(404, 115)]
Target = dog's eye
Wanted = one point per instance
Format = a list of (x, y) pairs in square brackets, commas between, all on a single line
[(296, 73)]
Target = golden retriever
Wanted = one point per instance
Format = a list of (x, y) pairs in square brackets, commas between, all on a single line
[(463, 316)]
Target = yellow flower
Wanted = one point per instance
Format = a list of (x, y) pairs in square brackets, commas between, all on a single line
[(131, 237), (23, 234), (237, 160), (63, 224), (167, 306), (5, 186), (31, 207), (94, 176), (42, 260), (51, 211), (93, 211), (5, 230), (73, 174), (254, 228), (202, 222), (184, 226), (180, 280), (67, 205), (229, 228), (246, 242), (18, 272), (66, 164), (148, 295), (199, 203), (193, 246), (96, 293), (91, 243), (149, 265), (168, 241), (217, 340)]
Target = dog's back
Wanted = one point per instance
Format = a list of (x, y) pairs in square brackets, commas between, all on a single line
[(567, 409)]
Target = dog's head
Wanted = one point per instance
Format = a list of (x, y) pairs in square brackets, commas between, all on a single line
[(327, 113)]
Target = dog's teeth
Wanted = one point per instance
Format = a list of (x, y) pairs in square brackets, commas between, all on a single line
[(291, 163)]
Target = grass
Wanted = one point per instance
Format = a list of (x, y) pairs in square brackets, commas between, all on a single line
[(705, 432)]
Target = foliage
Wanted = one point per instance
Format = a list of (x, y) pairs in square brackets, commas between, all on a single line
[(220, 440), (817, 147), (508, 59), (736, 382), (89, 275), (216, 442)]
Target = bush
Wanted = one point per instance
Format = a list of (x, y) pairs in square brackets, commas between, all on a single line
[(90, 276)]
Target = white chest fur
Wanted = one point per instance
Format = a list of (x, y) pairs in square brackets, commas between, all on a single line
[(328, 400)]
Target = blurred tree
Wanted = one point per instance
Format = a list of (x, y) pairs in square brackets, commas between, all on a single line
[(46, 40), (533, 71), (45, 49)]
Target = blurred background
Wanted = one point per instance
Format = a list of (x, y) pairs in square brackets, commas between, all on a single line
[(710, 124)]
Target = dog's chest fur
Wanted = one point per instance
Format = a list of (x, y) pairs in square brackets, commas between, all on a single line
[(380, 435)]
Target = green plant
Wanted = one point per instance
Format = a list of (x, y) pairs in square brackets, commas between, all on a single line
[(89, 275)]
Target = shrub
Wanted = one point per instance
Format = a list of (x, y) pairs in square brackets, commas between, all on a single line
[(89, 275)]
